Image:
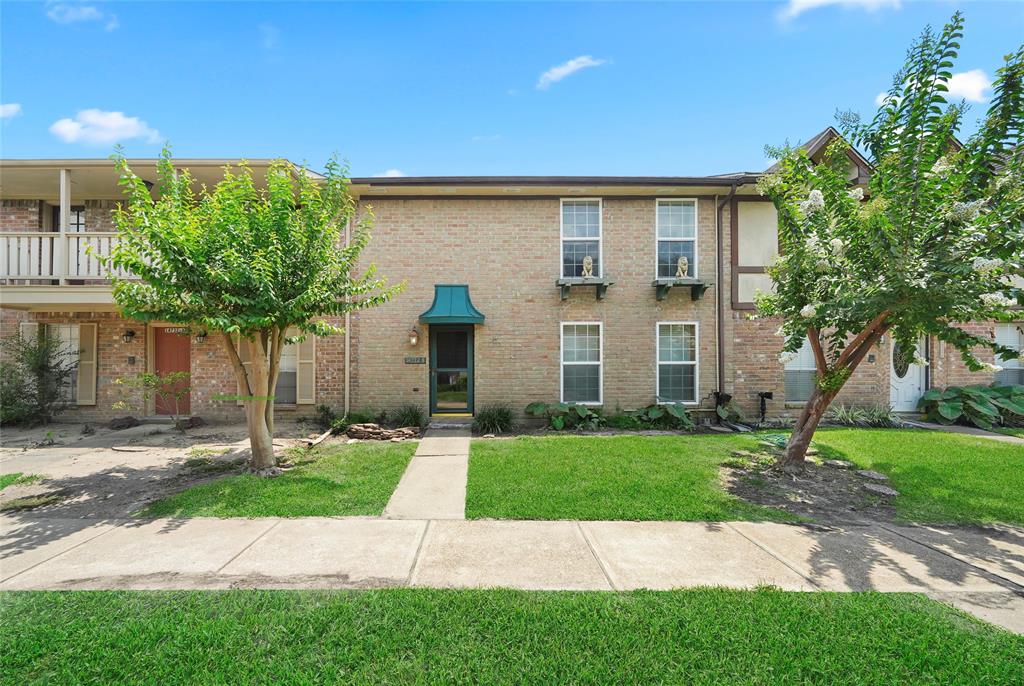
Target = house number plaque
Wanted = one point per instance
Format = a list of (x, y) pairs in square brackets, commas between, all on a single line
[(415, 360)]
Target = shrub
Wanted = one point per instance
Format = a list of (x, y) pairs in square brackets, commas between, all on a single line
[(875, 416), (406, 415), (15, 392), (673, 417), (34, 378), (626, 421), (171, 388), (981, 406), (567, 415), (494, 419), (325, 417)]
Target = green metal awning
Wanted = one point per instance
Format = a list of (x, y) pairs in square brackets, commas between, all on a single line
[(452, 306)]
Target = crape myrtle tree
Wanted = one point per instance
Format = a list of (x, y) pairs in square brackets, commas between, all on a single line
[(935, 242), (245, 263)]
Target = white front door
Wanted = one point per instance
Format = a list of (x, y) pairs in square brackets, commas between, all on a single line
[(906, 379)]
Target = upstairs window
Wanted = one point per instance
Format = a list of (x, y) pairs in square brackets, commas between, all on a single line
[(801, 375), (677, 237), (581, 363), (581, 236), (76, 219), (1012, 336), (677, 362)]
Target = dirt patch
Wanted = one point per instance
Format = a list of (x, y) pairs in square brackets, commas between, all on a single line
[(114, 474), (823, 492)]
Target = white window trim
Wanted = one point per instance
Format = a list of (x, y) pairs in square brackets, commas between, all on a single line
[(695, 267), (695, 363), (563, 238), (562, 363)]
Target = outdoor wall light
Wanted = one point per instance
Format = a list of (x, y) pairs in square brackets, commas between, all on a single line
[(127, 336), (414, 336), (200, 337)]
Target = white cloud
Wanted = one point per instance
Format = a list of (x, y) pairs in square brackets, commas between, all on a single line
[(97, 127), (74, 13), (969, 85), (556, 74), (270, 36), (9, 110), (391, 173), (794, 8)]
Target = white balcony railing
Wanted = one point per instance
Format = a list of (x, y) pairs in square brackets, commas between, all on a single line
[(33, 255)]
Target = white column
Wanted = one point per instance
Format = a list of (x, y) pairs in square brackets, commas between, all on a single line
[(61, 252)]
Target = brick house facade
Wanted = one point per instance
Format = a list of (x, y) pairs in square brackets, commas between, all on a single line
[(506, 240)]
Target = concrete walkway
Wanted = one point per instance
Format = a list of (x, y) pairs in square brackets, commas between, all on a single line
[(980, 570), (967, 431), (434, 484)]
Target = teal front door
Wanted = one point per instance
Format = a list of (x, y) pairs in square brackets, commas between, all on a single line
[(451, 369)]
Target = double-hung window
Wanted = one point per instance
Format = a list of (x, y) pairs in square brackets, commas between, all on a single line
[(677, 236), (76, 346), (582, 351), (287, 372), (801, 375), (581, 236), (677, 362), (1012, 336)]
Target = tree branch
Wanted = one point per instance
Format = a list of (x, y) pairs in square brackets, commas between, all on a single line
[(860, 338), (236, 361), (819, 354)]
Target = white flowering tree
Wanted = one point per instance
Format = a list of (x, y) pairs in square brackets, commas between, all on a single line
[(936, 240)]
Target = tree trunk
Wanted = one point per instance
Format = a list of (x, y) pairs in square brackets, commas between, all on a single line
[(262, 461), (254, 388), (800, 440)]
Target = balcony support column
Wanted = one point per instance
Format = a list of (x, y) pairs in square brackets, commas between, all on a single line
[(61, 258)]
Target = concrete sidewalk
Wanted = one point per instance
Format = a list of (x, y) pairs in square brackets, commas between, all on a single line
[(980, 570), (434, 484)]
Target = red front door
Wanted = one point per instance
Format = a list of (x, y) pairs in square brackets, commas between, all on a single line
[(172, 353)]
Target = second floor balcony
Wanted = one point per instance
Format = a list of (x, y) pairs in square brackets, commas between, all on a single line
[(37, 257)]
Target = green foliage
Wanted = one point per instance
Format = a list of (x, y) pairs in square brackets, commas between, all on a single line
[(494, 419), (875, 416), (625, 421), (406, 415), (340, 424), (670, 416), (170, 388), (33, 379), (982, 406), (563, 416), (242, 257), (729, 412), (325, 417), (933, 241)]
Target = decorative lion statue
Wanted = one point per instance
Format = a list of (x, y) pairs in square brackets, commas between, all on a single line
[(682, 267), (588, 266)]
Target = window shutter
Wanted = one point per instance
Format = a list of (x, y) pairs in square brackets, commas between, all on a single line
[(86, 364), (29, 331), (305, 377), (243, 354)]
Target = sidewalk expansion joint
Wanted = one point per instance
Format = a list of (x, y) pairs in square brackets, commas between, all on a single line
[(796, 571), (54, 557), (597, 558), (1012, 586), (416, 556), (249, 545)]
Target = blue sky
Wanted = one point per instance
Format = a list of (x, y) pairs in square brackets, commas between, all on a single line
[(424, 89)]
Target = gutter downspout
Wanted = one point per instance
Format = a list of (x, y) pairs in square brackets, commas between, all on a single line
[(348, 334), (720, 375)]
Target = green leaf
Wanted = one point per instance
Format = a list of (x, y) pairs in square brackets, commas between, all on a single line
[(950, 410)]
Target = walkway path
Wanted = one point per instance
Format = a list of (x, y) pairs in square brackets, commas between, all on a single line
[(967, 430), (977, 569), (434, 484)]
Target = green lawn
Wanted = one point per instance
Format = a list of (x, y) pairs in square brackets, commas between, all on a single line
[(1012, 431), (400, 636), (593, 477), (355, 479), (941, 477), (18, 478)]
